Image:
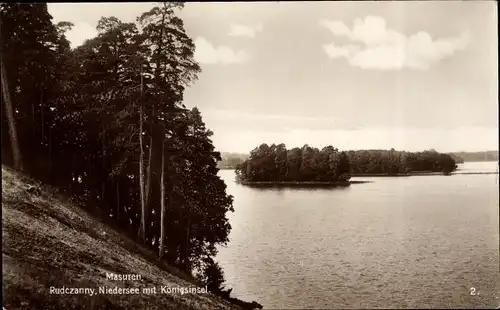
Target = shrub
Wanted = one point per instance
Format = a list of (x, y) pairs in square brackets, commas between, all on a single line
[(212, 275)]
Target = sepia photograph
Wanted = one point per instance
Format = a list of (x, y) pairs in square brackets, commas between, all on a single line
[(250, 155)]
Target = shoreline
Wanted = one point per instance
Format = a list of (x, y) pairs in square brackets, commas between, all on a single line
[(347, 183), (484, 172), (308, 183), (370, 175)]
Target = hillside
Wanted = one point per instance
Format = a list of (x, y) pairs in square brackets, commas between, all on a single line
[(48, 241)]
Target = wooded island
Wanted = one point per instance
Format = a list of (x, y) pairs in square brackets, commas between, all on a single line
[(275, 164)]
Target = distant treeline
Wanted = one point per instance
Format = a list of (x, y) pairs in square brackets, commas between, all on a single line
[(306, 164), (461, 157), (393, 162), (231, 160), (458, 159)]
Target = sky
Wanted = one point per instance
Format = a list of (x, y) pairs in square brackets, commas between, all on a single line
[(409, 75)]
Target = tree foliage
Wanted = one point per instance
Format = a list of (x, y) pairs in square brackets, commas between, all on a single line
[(307, 164), (461, 157), (391, 162), (77, 116)]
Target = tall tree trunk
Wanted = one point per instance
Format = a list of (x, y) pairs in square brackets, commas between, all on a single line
[(33, 119), (73, 173), (186, 247), (16, 151), (150, 162), (162, 212), (50, 150), (103, 150), (172, 244), (153, 140), (42, 120), (148, 173), (142, 227), (118, 201)]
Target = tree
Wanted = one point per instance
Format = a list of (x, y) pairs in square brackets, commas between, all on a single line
[(212, 275), (281, 162), (18, 163), (294, 161), (343, 167), (29, 44), (173, 66), (142, 227), (307, 163), (203, 217), (162, 202)]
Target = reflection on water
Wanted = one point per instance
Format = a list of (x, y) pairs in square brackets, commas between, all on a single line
[(307, 188), (394, 243)]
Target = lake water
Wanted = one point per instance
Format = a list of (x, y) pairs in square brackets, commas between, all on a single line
[(415, 242)]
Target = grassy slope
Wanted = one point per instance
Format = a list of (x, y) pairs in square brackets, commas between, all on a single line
[(50, 242)]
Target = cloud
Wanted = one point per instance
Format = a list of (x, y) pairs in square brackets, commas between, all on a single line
[(244, 31), (207, 53), (79, 33), (340, 51), (384, 49)]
